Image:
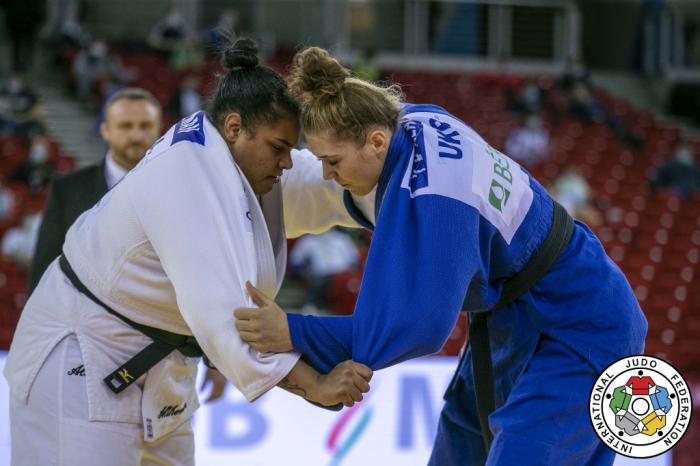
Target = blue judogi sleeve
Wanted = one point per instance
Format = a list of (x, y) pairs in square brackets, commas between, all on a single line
[(422, 257), (425, 252)]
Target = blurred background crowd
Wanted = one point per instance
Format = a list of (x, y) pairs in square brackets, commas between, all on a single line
[(599, 99)]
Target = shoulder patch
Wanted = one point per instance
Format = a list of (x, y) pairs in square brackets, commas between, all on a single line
[(464, 167), (190, 129)]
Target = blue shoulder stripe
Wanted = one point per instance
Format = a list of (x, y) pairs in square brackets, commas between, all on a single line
[(190, 129)]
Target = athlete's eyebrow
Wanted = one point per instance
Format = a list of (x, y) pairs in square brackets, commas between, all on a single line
[(284, 141)]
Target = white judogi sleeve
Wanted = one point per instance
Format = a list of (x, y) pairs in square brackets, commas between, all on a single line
[(205, 243), (312, 204)]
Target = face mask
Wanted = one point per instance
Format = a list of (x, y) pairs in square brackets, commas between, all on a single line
[(173, 19), (531, 93), (14, 85), (98, 50), (534, 123), (684, 156), (39, 153)]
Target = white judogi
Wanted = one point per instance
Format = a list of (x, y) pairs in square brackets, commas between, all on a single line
[(170, 247)]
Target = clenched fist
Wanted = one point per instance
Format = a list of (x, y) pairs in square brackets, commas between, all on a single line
[(344, 384)]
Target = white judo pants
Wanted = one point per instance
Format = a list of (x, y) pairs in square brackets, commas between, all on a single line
[(52, 429)]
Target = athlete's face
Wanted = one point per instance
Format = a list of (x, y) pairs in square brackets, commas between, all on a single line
[(264, 154), (354, 167), (130, 128)]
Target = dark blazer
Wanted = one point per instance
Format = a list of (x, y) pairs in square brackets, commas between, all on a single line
[(69, 196)]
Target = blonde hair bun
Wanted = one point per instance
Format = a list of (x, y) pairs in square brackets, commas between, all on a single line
[(316, 73), (334, 101)]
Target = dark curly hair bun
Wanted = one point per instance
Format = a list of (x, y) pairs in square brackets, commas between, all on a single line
[(241, 54)]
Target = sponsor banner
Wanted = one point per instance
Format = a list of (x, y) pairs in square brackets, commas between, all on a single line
[(394, 425)]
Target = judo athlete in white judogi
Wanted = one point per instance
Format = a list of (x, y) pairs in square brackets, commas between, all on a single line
[(454, 218), (169, 248)]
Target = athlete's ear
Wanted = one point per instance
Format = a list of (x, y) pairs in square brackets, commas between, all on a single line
[(231, 128), (378, 141)]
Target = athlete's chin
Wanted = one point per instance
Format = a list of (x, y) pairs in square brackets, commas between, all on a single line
[(357, 190), (265, 185), (346, 186), (261, 191)]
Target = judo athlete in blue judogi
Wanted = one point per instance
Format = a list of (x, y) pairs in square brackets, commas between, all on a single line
[(454, 218)]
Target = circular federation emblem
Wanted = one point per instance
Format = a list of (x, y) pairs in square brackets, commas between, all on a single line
[(640, 406)]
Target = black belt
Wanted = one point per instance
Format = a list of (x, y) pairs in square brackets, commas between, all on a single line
[(163, 344), (482, 364)]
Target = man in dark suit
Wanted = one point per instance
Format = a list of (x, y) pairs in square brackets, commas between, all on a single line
[(132, 124)]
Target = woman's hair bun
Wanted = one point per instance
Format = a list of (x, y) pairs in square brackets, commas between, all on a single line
[(316, 73), (241, 54)]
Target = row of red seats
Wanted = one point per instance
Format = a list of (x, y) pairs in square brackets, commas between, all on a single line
[(13, 280)]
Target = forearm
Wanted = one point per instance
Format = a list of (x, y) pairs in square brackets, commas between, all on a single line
[(302, 380), (401, 333)]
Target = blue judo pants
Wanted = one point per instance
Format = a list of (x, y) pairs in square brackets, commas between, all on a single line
[(541, 420)]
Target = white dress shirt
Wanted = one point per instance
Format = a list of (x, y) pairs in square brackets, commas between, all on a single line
[(113, 171)]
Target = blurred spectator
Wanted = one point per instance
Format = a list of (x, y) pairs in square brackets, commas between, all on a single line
[(691, 42), (529, 143), (187, 99), (318, 258), (226, 28), (22, 21), (575, 82), (20, 113), (65, 32), (586, 107), (36, 171), (18, 242), (366, 68), (527, 99), (168, 31), (575, 73), (572, 191), (186, 54), (678, 173), (7, 203), (93, 65)]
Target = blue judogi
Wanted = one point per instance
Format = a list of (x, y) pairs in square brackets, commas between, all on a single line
[(456, 218)]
